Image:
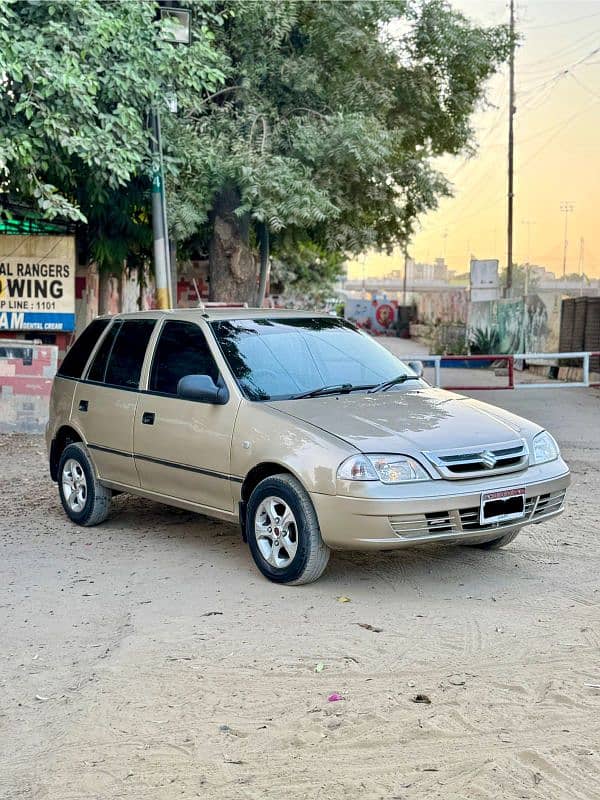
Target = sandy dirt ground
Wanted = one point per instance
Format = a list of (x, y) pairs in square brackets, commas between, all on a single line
[(146, 659)]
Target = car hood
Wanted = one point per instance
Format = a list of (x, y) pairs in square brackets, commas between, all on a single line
[(409, 420)]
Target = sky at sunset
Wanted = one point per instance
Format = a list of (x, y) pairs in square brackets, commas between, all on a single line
[(557, 151)]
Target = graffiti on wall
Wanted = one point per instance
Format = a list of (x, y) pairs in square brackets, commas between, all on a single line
[(522, 324), (376, 315)]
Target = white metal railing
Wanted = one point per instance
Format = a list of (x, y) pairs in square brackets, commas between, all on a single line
[(584, 356), (510, 361)]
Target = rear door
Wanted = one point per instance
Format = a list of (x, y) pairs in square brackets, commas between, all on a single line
[(104, 404), (182, 447), (70, 371)]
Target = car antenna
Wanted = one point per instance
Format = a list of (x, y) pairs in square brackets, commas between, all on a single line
[(200, 305)]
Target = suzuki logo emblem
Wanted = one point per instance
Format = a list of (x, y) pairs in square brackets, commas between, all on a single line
[(488, 459)]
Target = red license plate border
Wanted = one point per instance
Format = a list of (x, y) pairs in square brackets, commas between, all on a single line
[(501, 494)]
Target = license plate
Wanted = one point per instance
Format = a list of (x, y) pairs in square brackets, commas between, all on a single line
[(502, 505)]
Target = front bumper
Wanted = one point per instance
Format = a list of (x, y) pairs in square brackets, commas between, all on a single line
[(435, 511)]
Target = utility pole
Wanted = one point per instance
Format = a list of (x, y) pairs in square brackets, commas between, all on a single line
[(162, 267), (566, 207), (511, 143), (176, 27), (405, 271)]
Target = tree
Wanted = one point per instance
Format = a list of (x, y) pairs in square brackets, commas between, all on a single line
[(524, 281), (301, 122), (304, 272), (327, 125), (77, 80)]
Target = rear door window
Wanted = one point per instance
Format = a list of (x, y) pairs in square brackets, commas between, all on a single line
[(124, 366), (181, 350), (77, 357), (120, 359)]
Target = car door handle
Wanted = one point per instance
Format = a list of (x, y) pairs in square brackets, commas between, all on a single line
[(83, 405), (148, 418)]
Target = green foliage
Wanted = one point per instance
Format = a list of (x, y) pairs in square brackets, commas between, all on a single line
[(446, 338), (522, 279), (332, 113), (77, 79), (302, 269), (485, 341), (324, 116)]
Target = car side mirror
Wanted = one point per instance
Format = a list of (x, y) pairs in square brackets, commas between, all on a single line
[(202, 389), (417, 367)]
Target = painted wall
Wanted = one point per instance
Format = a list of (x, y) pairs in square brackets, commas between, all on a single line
[(526, 324), (447, 306), (377, 315)]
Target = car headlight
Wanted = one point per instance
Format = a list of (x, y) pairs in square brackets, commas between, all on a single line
[(385, 468), (544, 448)]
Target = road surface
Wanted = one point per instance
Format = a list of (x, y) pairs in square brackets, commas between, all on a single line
[(146, 659)]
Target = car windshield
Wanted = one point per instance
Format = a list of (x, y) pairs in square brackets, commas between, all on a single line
[(279, 359)]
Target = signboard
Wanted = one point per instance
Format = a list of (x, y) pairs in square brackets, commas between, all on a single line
[(37, 283), (485, 283)]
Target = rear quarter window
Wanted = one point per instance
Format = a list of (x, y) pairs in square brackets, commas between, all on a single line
[(74, 362)]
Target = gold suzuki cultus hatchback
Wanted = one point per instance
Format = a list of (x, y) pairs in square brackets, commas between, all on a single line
[(305, 430)]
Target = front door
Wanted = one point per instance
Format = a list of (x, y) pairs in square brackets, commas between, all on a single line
[(182, 447), (105, 403)]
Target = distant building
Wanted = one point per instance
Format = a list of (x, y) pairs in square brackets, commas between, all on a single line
[(419, 272)]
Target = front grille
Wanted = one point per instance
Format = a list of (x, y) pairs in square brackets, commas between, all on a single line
[(446, 523), (548, 503), (471, 462)]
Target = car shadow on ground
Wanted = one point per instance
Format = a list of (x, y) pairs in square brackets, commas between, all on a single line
[(429, 568)]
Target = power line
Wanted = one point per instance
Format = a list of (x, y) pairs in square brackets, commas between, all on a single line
[(562, 51), (554, 135), (562, 22), (583, 86)]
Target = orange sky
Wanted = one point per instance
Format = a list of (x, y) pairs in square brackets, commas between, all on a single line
[(557, 150)]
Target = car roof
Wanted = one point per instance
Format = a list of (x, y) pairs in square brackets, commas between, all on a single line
[(219, 313)]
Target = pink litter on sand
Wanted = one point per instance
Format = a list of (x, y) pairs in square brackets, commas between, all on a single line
[(335, 697)]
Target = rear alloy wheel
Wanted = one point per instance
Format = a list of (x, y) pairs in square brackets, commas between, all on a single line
[(496, 544), (83, 498), (283, 532)]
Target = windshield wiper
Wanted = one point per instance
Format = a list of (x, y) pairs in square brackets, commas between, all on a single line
[(385, 385), (337, 388)]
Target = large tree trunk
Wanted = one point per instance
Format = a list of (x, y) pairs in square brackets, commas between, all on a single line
[(232, 265)]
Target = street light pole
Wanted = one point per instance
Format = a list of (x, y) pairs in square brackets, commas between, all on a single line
[(162, 265), (529, 223), (511, 147), (177, 29), (566, 207)]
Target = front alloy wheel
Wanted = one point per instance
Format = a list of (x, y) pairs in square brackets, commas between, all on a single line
[(283, 531), (276, 532)]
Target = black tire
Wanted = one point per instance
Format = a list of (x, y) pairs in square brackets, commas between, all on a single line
[(311, 553), (496, 544), (95, 503)]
